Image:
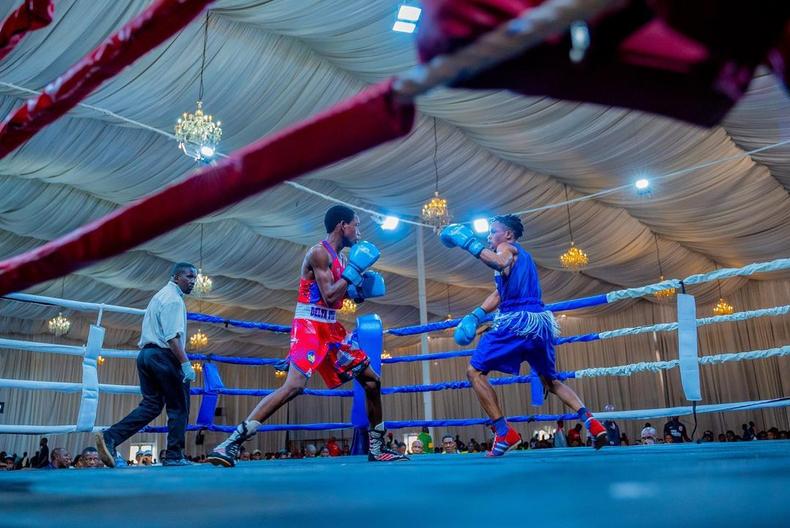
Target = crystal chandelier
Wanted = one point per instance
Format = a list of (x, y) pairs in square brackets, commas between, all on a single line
[(723, 307), (349, 307), (575, 258), (386, 355), (198, 340), (100, 360), (280, 373), (197, 133), (59, 325), (198, 366), (435, 212), (203, 283), (668, 292)]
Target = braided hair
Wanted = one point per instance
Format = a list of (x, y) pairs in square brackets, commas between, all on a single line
[(512, 222)]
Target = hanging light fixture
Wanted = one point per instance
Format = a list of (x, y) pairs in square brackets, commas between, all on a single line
[(60, 324), (349, 307), (100, 360), (386, 355), (668, 292), (722, 307), (280, 373), (198, 366), (203, 283), (198, 340), (435, 212), (197, 133), (575, 258)]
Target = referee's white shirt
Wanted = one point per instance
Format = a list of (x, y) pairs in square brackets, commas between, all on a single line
[(165, 318)]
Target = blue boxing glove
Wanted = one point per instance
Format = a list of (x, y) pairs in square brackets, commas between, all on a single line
[(458, 235), (361, 256), (372, 286), (467, 329)]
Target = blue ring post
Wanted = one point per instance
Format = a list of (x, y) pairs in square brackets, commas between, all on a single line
[(370, 336)]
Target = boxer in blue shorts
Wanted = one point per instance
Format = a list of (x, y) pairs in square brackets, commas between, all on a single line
[(523, 330)]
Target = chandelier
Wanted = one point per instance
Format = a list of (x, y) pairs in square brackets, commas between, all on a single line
[(386, 355), (575, 258), (280, 373), (349, 307), (100, 360), (197, 133), (435, 212), (723, 307), (667, 292), (198, 340), (203, 283), (59, 325), (198, 366)]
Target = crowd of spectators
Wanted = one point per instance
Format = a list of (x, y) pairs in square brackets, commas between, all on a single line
[(674, 432)]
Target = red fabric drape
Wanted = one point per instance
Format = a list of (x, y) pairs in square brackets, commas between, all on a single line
[(149, 29), (30, 16), (687, 60), (362, 122)]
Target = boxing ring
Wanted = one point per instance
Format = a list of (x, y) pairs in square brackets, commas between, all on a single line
[(621, 483), (370, 334), (703, 484)]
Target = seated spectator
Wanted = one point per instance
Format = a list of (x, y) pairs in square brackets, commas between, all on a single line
[(346, 450), (448, 445), (574, 436), (257, 455), (60, 459), (707, 436), (89, 458), (147, 458), (474, 447), (722, 437), (772, 434), (748, 434), (43, 457), (559, 435), (676, 430), (334, 449), (648, 434), (668, 439), (310, 451), (612, 429), (245, 456), (324, 452), (416, 448), (9, 463), (402, 448), (459, 444), (731, 436)]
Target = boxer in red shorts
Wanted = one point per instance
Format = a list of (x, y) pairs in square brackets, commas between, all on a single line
[(319, 343)]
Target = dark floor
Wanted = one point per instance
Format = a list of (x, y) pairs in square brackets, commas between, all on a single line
[(744, 484)]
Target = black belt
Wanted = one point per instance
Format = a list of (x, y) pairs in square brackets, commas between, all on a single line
[(151, 345)]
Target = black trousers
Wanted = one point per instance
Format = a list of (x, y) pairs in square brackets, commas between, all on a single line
[(162, 385)]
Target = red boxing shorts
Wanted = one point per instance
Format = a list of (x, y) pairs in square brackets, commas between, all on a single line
[(320, 344)]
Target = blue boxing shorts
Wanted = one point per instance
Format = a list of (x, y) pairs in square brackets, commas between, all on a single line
[(505, 351)]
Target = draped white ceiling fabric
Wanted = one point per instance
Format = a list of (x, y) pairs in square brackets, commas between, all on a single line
[(272, 63)]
